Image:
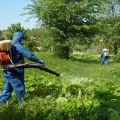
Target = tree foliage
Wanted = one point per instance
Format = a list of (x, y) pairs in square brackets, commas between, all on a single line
[(12, 29), (28, 42), (111, 33), (70, 21), (43, 38), (78, 22)]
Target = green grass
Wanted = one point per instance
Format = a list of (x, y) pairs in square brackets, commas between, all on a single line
[(77, 67), (83, 91)]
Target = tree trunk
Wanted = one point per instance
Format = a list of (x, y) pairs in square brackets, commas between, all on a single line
[(62, 51)]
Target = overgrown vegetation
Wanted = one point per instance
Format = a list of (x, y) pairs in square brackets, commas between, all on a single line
[(76, 30), (78, 22), (86, 90)]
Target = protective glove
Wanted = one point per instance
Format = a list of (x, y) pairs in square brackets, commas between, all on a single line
[(41, 61)]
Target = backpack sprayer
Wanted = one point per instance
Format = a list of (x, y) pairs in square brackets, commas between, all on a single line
[(5, 60)]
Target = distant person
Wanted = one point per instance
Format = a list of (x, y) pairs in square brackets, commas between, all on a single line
[(104, 56), (14, 78)]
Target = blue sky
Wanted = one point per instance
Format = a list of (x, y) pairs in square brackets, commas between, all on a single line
[(10, 13)]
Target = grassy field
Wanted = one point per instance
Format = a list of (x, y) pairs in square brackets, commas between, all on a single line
[(78, 66), (83, 91)]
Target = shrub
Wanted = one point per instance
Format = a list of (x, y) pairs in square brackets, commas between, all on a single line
[(51, 98)]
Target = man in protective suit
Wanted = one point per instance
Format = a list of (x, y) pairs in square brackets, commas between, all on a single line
[(14, 78), (104, 56)]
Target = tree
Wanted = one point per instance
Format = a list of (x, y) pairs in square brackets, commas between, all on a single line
[(14, 28), (71, 21), (111, 33), (110, 25), (28, 42)]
